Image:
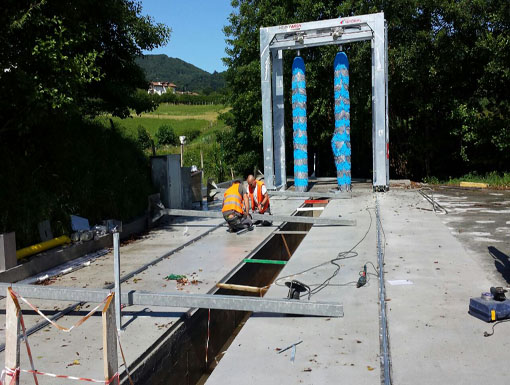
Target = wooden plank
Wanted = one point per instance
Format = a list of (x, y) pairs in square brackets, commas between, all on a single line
[(244, 288), (286, 246), (317, 201), (474, 184), (291, 232), (12, 329), (110, 358), (265, 261)]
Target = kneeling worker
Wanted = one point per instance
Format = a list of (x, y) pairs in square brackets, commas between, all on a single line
[(259, 199), (235, 207)]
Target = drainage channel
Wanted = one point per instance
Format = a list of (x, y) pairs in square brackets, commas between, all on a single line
[(179, 357)]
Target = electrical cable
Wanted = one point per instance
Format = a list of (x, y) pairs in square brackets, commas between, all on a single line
[(341, 255), (487, 334)]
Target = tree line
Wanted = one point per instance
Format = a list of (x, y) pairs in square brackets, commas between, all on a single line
[(449, 75)]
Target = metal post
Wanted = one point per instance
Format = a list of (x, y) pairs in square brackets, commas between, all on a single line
[(267, 112), (116, 272), (278, 121)]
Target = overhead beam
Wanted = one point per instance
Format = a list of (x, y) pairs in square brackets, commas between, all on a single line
[(261, 217), (182, 300)]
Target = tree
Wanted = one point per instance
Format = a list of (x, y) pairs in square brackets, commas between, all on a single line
[(448, 80), (71, 57)]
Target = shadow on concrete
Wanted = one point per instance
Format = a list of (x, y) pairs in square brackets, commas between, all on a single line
[(501, 261)]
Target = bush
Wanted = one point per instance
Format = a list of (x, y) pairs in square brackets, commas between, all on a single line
[(143, 138), (191, 134), (166, 135)]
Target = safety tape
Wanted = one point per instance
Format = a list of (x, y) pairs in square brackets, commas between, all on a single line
[(15, 374), (208, 336), (64, 329)]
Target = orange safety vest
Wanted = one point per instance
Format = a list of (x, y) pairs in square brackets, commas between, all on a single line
[(260, 197), (232, 200)]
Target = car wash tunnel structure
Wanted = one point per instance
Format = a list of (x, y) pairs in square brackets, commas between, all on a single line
[(273, 41)]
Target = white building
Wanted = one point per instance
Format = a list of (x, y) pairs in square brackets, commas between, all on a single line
[(161, 88)]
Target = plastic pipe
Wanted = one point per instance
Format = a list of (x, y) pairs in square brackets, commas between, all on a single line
[(37, 248)]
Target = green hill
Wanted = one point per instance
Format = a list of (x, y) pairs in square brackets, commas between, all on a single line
[(186, 76)]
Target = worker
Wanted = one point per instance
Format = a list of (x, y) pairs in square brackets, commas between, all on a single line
[(259, 199), (235, 207)]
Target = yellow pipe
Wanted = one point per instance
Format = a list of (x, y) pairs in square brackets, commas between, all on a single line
[(37, 248)]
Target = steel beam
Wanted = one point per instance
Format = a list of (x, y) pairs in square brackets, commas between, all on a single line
[(181, 300), (278, 121), (304, 195), (337, 31), (317, 41), (262, 217), (267, 112)]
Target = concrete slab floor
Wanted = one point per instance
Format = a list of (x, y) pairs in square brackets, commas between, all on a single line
[(333, 348), (433, 339), (79, 353)]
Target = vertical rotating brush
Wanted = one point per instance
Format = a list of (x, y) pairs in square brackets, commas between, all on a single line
[(299, 125), (341, 141)]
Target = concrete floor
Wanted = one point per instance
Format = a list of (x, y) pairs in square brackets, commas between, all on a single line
[(445, 259), (333, 348), (433, 339), (79, 353)]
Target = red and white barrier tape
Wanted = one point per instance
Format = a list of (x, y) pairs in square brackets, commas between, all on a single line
[(15, 373), (64, 329), (208, 336)]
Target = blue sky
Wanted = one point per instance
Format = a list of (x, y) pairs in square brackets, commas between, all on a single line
[(197, 30)]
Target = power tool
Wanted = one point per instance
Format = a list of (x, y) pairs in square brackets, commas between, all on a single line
[(362, 280), (492, 306)]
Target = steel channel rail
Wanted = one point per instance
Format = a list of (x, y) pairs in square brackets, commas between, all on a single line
[(124, 278), (297, 194), (383, 324), (276, 218), (182, 300)]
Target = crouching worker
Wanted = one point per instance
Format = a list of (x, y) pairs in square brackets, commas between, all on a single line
[(259, 199), (235, 207)]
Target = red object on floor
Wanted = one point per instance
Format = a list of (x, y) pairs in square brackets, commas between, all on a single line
[(311, 201)]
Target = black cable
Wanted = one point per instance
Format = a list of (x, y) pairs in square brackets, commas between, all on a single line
[(341, 255), (487, 334)]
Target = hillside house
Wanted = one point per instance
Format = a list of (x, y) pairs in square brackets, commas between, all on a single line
[(161, 88)]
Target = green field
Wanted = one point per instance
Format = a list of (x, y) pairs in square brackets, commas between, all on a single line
[(184, 119)]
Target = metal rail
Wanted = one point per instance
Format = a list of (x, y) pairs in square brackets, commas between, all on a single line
[(181, 300), (383, 324), (309, 194), (276, 218), (124, 278)]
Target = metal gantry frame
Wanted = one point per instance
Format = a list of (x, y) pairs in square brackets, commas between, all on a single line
[(274, 40)]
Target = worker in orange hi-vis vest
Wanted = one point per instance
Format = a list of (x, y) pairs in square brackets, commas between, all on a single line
[(259, 199), (235, 207)]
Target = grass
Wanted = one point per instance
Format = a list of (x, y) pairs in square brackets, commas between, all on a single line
[(184, 111), (180, 126), (494, 179), (184, 118)]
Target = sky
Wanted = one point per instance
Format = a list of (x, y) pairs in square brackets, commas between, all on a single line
[(197, 30)]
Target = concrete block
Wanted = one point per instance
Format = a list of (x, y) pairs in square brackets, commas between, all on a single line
[(45, 232), (8, 251)]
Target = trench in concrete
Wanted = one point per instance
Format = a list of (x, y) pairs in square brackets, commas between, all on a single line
[(179, 357)]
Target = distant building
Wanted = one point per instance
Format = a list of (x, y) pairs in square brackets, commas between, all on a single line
[(161, 88)]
